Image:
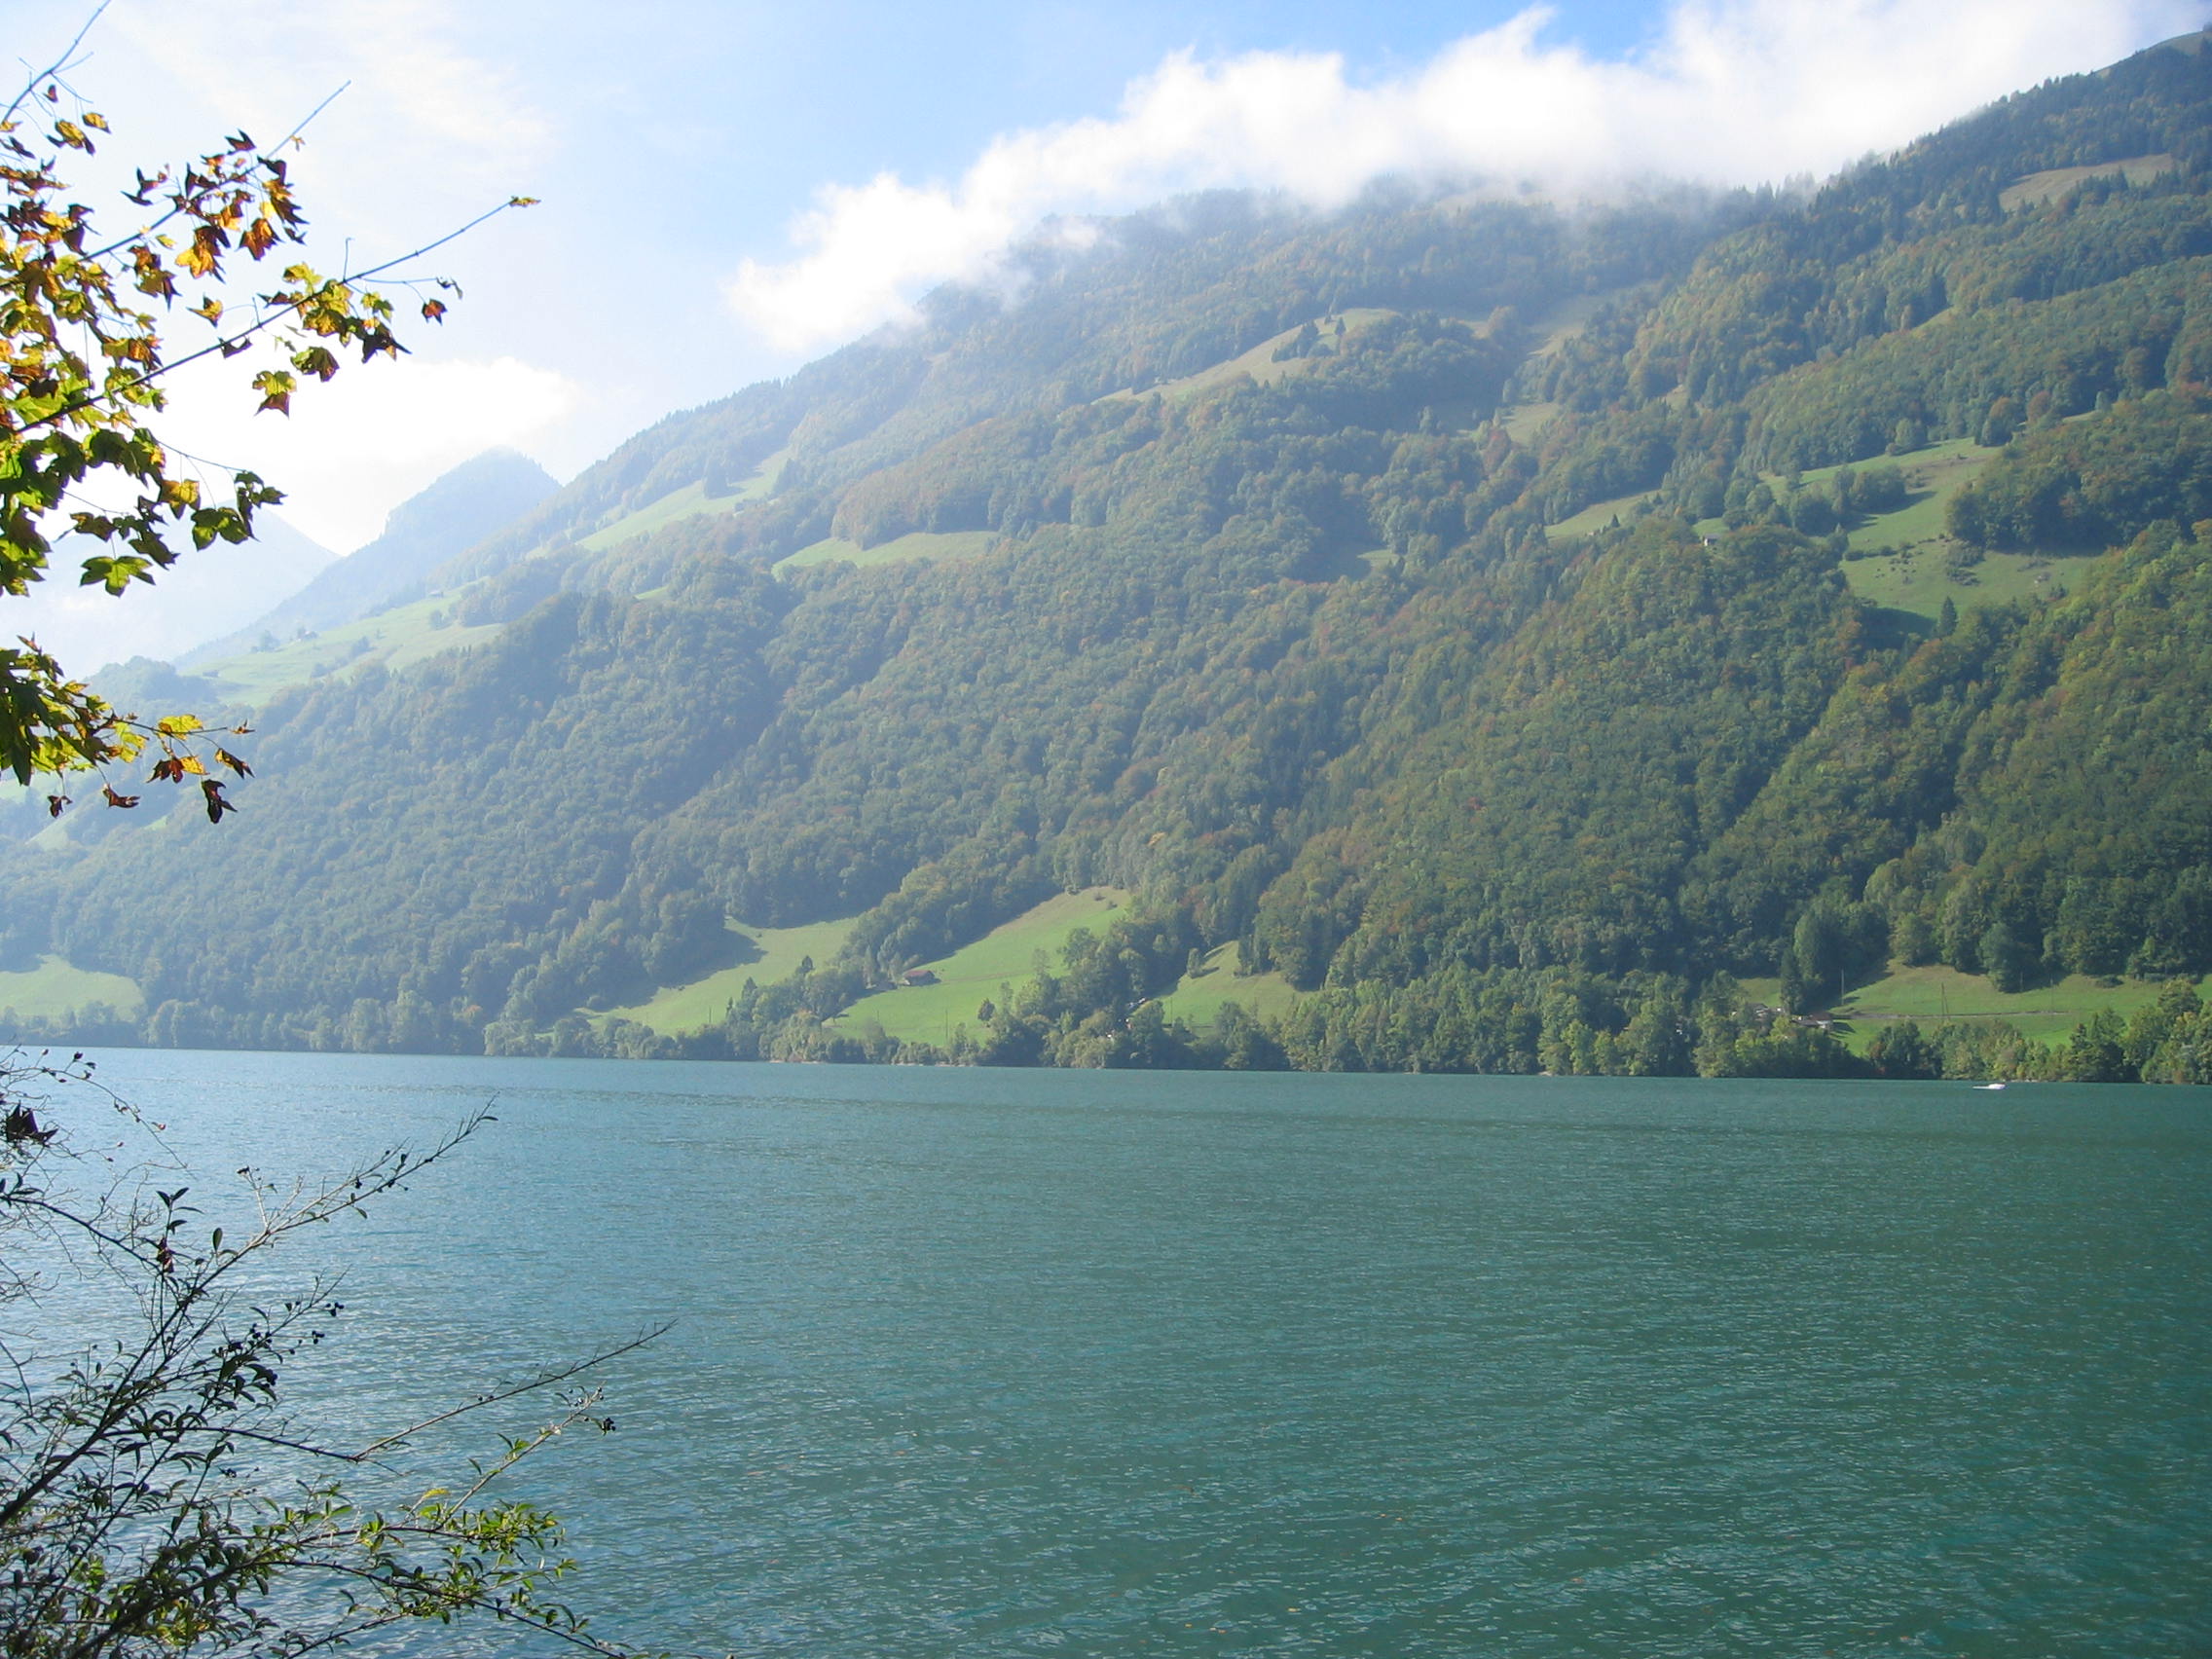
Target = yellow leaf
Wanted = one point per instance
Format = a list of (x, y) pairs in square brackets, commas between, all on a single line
[(200, 258), (276, 387)]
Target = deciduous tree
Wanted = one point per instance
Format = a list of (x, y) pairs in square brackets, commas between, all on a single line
[(86, 349)]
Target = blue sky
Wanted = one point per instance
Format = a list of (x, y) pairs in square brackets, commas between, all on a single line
[(731, 187)]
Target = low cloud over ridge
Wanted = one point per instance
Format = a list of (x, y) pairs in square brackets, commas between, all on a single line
[(1734, 91)]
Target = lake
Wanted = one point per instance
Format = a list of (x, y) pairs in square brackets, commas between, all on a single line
[(996, 1363)]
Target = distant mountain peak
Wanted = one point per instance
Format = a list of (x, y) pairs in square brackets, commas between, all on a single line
[(460, 508)]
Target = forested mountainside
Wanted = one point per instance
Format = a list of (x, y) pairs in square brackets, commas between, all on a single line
[(1495, 628)]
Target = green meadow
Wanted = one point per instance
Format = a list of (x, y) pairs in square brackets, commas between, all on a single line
[(690, 501), (770, 954), (1196, 999), (1553, 327), (1260, 361), (1917, 573), (1004, 956), (922, 545), (1595, 517), (1524, 423), (56, 990), (405, 635), (1932, 994), (1920, 583), (412, 633), (1932, 476), (2054, 182)]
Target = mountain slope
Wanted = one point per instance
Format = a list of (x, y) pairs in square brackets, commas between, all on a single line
[(200, 599), (460, 509), (1455, 605)]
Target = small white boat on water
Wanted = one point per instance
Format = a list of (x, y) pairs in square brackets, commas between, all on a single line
[(1989, 1086)]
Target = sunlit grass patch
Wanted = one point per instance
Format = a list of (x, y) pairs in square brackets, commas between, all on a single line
[(1196, 999), (922, 545), (1006, 955), (56, 990), (770, 954)]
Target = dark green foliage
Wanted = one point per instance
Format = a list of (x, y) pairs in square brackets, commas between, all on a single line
[(2094, 483), (440, 846), (1498, 1021), (2087, 795), (1834, 944), (2093, 1054), (1975, 376), (1877, 769), (1547, 814), (1891, 245), (1903, 1051)]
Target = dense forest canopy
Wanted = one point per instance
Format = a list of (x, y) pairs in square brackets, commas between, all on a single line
[(1468, 611)]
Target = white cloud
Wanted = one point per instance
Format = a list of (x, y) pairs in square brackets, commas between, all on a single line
[(374, 436), (1734, 91)]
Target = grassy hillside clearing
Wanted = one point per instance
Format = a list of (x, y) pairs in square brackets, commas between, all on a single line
[(1920, 582), (1931, 477), (1553, 327), (1598, 515), (1567, 320), (1919, 575), (1004, 956), (1932, 994), (2054, 182), (1196, 999), (1905, 560), (1524, 423), (1260, 361), (405, 635), (690, 501), (770, 954), (922, 545), (57, 991), (408, 634)]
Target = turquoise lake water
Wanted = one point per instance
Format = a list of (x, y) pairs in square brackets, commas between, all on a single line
[(998, 1363)]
